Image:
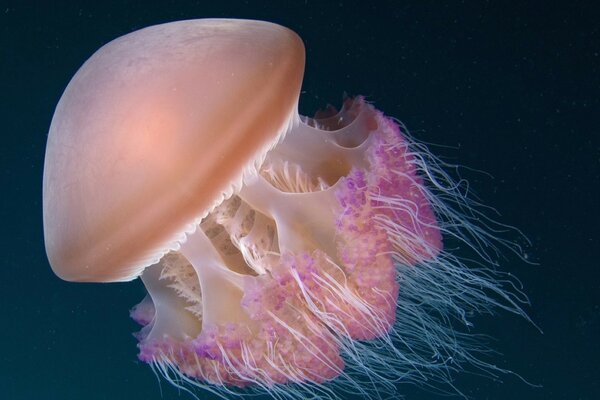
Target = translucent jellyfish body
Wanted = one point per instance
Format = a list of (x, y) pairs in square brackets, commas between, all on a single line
[(302, 257)]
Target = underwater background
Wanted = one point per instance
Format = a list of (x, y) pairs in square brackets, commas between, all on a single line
[(510, 89)]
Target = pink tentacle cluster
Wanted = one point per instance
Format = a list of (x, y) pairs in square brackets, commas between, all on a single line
[(308, 303)]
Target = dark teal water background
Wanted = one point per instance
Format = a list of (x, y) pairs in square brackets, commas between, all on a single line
[(510, 88)]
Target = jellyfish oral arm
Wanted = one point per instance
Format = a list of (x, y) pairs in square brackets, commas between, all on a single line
[(304, 221), (291, 278), (222, 288)]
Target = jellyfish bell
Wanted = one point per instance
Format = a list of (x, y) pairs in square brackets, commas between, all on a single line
[(152, 130), (276, 249)]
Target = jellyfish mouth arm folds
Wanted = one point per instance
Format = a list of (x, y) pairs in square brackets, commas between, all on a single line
[(221, 290), (305, 221), (288, 280), (221, 286), (284, 259)]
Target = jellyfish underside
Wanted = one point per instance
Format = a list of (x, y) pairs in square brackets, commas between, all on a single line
[(327, 263)]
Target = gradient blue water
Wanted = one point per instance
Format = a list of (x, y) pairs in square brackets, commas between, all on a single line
[(510, 90)]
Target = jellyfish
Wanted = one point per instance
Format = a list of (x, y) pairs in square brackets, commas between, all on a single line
[(297, 256)]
